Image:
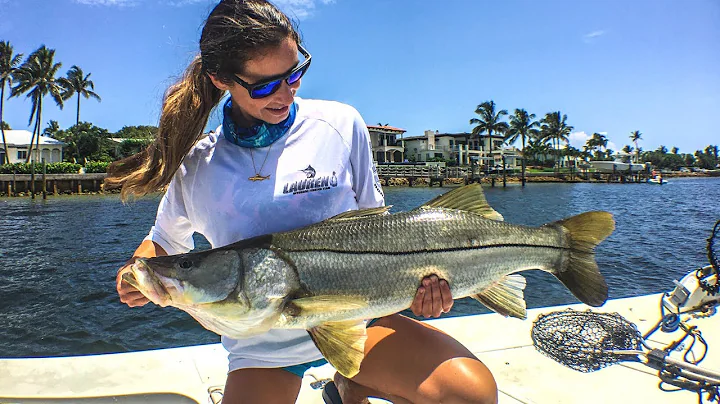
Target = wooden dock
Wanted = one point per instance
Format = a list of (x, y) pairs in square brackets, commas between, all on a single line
[(52, 184)]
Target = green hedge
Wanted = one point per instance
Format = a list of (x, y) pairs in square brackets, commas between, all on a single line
[(96, 166), (52, 168)]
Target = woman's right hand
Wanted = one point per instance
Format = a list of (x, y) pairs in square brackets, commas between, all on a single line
[(128, 294)]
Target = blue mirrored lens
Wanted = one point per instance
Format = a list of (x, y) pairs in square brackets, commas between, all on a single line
[(267, 89), (296, 76)]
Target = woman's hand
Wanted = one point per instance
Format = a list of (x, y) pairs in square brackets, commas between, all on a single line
[(433, 298), (128, 294)]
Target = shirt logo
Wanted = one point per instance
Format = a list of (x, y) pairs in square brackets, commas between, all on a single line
[(309, 171), (311, 183)]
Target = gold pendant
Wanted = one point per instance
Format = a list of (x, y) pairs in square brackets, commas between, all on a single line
[(258, 177)]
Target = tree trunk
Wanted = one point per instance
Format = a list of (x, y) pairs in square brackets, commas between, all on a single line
[(77, 121), (2, 129)]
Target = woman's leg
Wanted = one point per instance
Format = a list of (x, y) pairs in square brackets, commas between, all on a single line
[(258, 385), (409, 361)]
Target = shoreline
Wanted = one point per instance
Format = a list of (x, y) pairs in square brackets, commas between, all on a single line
[(91, 184)]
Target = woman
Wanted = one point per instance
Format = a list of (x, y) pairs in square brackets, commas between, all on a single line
[(251, 178)]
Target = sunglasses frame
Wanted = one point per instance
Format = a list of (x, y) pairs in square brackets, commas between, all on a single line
[(252, 87)]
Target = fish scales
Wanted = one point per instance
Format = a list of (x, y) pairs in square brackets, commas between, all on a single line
[(330, 276)]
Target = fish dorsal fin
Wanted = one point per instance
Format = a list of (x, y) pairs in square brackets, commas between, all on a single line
[(342, 343), (469, 198), (505, 296), (313, 305), (353, 214)]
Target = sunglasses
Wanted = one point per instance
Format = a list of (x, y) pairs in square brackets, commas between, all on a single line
[(268, 87)]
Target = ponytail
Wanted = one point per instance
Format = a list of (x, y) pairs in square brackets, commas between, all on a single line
[(185, 114)]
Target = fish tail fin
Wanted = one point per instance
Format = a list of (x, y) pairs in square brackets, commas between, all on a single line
[(582, 276)]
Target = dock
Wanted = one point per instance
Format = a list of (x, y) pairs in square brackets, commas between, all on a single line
[(196, 374)]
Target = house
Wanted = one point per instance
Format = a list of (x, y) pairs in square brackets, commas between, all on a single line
[(18, 143), (463, 148), (387, 144)]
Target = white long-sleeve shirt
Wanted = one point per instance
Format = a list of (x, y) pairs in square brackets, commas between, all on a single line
[(321, 167)]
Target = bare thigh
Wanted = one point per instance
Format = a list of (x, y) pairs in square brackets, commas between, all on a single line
[(409, 359), (257, 385)]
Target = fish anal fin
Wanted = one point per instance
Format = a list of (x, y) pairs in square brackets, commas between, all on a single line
[(505, 296), (357, 213), (313, 305), (468, 198), (342, 343)]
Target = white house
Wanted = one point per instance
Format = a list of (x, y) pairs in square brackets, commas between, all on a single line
[(461, 147), (18, 142)]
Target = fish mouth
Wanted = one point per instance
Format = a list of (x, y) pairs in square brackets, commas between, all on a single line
[(150, 284)]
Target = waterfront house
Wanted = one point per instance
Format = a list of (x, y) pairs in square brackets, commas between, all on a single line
[(18, 142), (387, 144), (463, 148)]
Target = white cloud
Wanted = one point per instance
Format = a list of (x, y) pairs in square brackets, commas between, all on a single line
[(578, 139), (300, 9), (590, 36)]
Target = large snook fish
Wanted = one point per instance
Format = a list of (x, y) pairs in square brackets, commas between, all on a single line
[(328, 277)]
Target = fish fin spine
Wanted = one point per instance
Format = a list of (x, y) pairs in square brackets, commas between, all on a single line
[(505, 296), (359, 213), (581, 275), (469, 198)]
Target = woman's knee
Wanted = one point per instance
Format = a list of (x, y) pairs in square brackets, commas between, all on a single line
[(259, 385), (460, 380)]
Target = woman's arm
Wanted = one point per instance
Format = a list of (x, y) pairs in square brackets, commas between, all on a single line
[(128, 294)]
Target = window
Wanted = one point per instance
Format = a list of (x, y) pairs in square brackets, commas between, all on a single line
[(22, 154), (451, 143)]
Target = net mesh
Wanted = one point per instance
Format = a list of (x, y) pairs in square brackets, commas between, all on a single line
[(582, 340)]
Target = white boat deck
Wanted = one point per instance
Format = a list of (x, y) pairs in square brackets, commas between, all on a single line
[(189, 374)]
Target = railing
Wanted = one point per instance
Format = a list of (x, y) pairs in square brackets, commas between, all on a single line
[(427, 171)]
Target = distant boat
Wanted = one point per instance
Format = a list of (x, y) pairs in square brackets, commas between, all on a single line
[(658, 180), (616, 166)]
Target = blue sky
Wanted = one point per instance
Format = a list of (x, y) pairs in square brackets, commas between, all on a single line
[(612, 66)]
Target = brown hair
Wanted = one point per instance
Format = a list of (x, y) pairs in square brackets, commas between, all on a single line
[(234, 32)]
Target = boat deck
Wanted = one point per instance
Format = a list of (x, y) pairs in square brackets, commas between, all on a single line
[(196, 374)]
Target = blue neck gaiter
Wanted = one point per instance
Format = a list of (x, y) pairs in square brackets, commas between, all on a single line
[(261, 135)]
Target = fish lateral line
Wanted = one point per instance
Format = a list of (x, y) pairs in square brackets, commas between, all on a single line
[(414, 252)]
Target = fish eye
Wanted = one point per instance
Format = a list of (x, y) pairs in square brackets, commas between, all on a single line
[(185, 264)]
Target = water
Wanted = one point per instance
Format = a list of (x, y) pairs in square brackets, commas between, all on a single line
[(59, 258)]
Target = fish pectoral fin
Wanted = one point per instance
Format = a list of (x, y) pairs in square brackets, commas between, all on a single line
[(342, 343), (308, 306), (505, 296), (468, 198), (358, 213), (129, 278)]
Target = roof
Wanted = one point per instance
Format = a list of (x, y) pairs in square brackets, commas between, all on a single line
[(454, 135), (386, 127), (23, 137)]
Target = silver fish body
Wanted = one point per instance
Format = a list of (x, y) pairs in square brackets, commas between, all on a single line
[(330, 276)]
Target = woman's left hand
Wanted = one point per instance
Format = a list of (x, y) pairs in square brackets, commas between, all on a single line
[(433, 298)]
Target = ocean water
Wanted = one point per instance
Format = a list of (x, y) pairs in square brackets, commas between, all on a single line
[(58, 258)]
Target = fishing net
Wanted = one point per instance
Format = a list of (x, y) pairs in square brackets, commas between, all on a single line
[(584, 341)]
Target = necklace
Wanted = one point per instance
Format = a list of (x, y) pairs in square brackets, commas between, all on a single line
[(258, 176)]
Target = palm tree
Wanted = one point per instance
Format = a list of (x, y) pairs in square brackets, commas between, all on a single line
[(595, 143), (36, 77), (78, 83), (523, 126), (8, 65), (634, 137), (489, 121), (555, 127)]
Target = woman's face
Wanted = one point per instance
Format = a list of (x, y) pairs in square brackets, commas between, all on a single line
[(275, 107)]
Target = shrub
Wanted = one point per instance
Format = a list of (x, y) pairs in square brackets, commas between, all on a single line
[(96, 166)]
